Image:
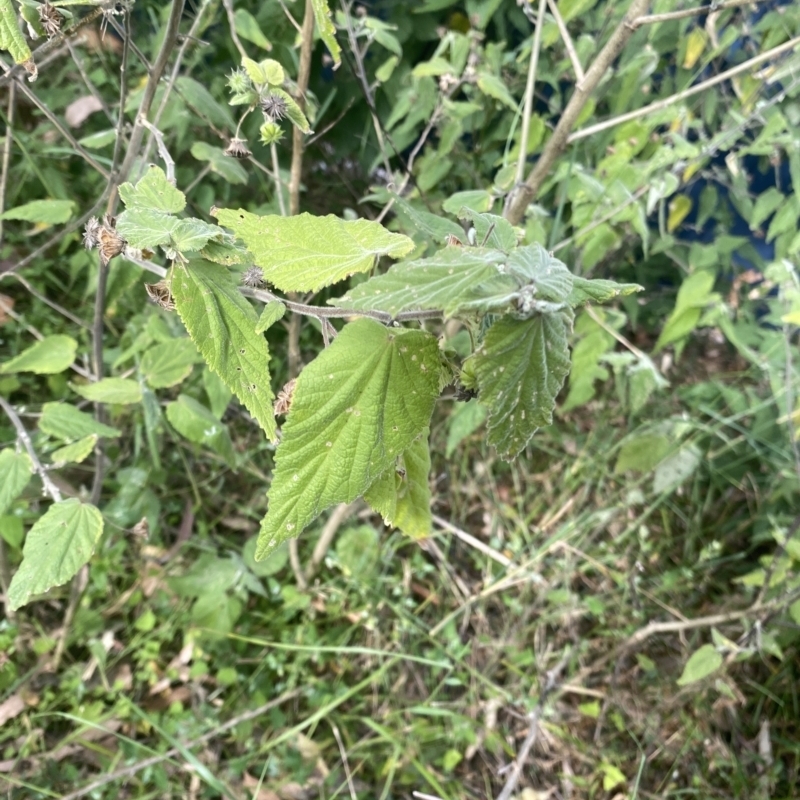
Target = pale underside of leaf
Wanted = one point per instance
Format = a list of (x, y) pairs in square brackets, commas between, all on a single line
[(521, 366), (451, 277), (305, 253), (585, 290), (15, 472), (222, 325), (356, 408)]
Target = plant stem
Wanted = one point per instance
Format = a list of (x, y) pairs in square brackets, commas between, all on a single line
[(522, 195), (529, 87), (303, 76), (685, 93)]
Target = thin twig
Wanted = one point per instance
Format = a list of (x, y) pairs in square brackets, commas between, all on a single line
[(130, 771), (47, 301), (345, 764), (88, 82), (23, 436), (361, 72), (522, 195), (659, 105), (339, 313), (551, 684), (567, 39), (276, 171), (57, 124), (12, 104), (529, 88), (303, 76), (228, 4), (651, 19), (473, 542), (337, 517), (169, 164), (297, 567)]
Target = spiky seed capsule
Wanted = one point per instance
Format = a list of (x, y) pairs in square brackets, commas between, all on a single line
[(238, 81), (271, 133), (110, 244), (238, 149), (253, 277), (283, 402), (274, 107)]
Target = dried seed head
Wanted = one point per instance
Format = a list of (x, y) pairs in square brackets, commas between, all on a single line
[(90, 233), (283, 402), (274, 107), (253, 277), (238, 149), (160, 294), (110, 243), (51, 19)]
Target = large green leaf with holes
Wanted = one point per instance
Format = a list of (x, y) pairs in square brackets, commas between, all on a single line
[(304, 253), (223, 326), (356, 408), (520, 368), (56, 547)]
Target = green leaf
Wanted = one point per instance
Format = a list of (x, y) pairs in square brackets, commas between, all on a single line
[(693, 296), (402, 495), (146, 228), (273, 311), (356, 408), (433, 226), (277, 560), (304, 253), (247, 28), (227, 252), (194, 421), (521, 367), (478, 199), (676, 468), (153, 192), (463, 422), (122, 391), (642, 453), (586, 290), (64, 421), (701, 664), (254, 71), (11, 37), (49, 212), (550, 277), (219, 395), (15, 472), (293, 111), (490, 230), (358, 551), (200, 98), (444, 281), (76, 452), (222, 325), (52, 354), (493, 86), (227, 168), (56, 547), (327, 31), (169, 363)]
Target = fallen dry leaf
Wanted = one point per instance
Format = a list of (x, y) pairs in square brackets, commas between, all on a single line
[(11, 708)]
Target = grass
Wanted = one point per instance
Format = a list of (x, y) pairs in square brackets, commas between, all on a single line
[(409, 668)]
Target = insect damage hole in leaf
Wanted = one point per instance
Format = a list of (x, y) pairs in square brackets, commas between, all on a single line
[(355, 409)]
